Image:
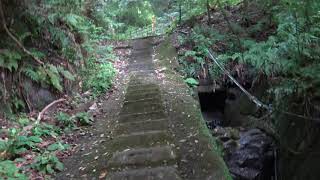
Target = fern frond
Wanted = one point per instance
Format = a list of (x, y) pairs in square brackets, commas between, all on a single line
[(31, 73)]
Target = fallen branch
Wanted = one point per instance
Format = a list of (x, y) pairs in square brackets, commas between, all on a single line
[(183, 32), (26, 129), (4, 24), (40, 115)]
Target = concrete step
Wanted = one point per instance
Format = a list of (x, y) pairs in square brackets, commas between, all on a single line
[(141, 139), (151, 100), (142, 58), (146, 87), (145, 72), (138, 126), (141, 107), (144, 95), (141, 82), (159, 173), (141, 66), (137, 77), (132, 91), (143, 157), (147, 116)]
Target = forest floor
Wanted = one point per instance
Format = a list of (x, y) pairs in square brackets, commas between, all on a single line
[(67, 141)]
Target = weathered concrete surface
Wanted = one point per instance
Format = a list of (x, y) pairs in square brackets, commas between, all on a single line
[(159, 173), (141, 157), (143, 138)]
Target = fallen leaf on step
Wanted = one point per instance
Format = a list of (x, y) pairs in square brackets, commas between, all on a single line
[(103, 175)]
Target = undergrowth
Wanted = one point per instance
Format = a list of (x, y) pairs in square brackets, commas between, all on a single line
[(37, 149), (288, 57), (66, 57)]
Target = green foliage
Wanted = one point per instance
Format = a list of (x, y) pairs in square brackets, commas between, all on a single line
[(45, 130), (84, 118), (99, 77), (8, 170), (57, 29), (47, 163), (194, 60), (65, 120), (17, 144), (290, 56), (58, 146), (9, 59), (191, 82)]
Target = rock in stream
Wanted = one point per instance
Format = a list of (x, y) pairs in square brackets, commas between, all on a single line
[(248, 154)]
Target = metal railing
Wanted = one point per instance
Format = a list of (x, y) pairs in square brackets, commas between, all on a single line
[(147, 31), (254, 99)]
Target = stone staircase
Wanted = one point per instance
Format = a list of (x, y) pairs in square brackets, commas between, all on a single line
[(142, 140), (142, 137)]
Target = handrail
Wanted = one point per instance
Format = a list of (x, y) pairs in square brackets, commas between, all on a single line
[(146, 31), (252, 98)]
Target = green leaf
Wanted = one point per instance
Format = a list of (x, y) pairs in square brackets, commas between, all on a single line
[(3, 145), (35, 139), (23, 36), (20, 150), (54, 77), (66, 74), (57, 147), (49, 169), (8, 170), (54, 147), (59, 166), (191, 82)]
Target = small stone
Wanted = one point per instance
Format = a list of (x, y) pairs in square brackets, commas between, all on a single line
[(184, 160)]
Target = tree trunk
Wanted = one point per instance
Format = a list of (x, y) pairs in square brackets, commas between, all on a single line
[(208, 9), (180, 12)]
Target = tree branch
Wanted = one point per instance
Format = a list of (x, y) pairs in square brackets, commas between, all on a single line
[(48, 107), (4, 24)]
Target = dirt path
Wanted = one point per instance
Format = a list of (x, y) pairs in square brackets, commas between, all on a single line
[(155, 135)]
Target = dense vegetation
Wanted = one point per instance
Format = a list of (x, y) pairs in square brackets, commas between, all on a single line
[(271, 45), (279, 39), (50, 48)]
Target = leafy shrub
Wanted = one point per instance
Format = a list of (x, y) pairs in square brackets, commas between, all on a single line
[(99, 77), (45, 130), (58, 146), (83, 118), (65, 120), (47, 163), (8, 170), (191, 82), (17, 144)]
